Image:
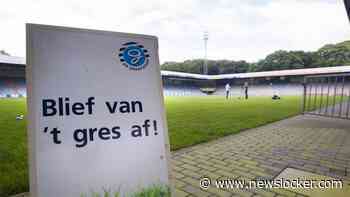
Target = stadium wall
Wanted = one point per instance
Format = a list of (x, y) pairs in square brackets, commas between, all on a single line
[(285, 82), (12, 80)]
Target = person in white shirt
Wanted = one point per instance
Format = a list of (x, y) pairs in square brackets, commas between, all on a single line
[(227, 88)]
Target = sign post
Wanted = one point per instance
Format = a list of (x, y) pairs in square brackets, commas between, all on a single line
[(96, 112)]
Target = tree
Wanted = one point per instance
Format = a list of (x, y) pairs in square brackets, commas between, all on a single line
[(332, 55), (328, 55)]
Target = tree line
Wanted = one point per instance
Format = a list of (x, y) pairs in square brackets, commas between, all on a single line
[(327, 56)]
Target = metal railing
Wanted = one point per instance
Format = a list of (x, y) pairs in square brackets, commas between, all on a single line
[(327, 95)]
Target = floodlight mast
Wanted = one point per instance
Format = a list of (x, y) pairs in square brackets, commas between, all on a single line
[(205, 66)]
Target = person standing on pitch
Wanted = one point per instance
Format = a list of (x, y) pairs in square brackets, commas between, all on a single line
[(246, 85), (227, 88)]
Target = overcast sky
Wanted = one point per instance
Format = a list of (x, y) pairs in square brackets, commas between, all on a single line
[(238, 29)]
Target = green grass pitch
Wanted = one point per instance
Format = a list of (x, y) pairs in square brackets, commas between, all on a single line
[(191, 120)]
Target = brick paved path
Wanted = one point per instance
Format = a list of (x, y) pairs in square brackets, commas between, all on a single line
[(315, 144)]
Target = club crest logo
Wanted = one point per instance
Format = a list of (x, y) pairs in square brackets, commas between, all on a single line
[(133, 56)]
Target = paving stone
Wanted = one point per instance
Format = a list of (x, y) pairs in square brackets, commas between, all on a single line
[(177, 162), (192, 174), (261, 174), (231, 175), (207, 167), (219, 192), (226, 168), (313, 144), (250, 162), (242, 193), (232, 162), (178, 175), (265, 193), (254, 168), (340, 172), (245, 175), (190, 167), (211, 175), (179, 183), (219, 162), (241, 168), (180, 193), (189, 162), (194, 191), (271, 168), (177, 167), (192, 181), (284, 192)]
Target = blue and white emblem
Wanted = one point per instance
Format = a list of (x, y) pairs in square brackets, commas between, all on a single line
[(133, 56)]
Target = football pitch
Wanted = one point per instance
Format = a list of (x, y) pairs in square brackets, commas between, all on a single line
[(191, 120)]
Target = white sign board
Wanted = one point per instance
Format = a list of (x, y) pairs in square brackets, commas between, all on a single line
[(96, 112)]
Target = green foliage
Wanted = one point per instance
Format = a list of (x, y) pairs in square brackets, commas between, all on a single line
[(282, 60), (153, 191), (329, 55), (13, 148), (333, 55), (214, 66)]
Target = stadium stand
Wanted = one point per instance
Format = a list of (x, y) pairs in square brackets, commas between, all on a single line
[(12, 88), (269, 83), (170, 90), (264, 90), (284, 82), (12, 77), (181, 87)]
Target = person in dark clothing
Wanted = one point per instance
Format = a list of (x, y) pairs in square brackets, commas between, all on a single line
[(227, 88), (246, 86)]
